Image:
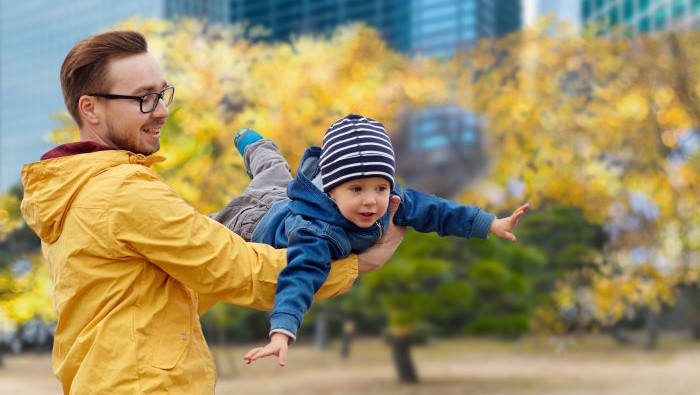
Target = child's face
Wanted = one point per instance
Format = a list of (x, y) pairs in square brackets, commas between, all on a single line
[(362, 201)]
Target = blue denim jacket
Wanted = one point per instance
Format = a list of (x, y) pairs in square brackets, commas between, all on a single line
[(314, 232)]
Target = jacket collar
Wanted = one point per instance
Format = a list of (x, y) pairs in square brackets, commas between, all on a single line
[(80, 147)]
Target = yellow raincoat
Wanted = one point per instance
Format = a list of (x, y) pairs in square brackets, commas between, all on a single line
[(133, 267)]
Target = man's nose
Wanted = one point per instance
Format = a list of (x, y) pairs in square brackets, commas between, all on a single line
[(161, 110)]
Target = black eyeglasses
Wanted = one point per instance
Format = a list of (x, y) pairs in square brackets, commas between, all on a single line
[(149, 101)]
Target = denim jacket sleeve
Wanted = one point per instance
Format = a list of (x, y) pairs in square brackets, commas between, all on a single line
[(429, 213), (309, 255)]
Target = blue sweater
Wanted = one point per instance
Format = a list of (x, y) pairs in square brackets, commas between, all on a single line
[(314, 232)]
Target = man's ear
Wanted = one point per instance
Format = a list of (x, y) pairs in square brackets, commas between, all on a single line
[(89, 109)]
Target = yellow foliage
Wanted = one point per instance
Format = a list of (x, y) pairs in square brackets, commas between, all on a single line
[(10, 216), (30, 296), (633, 106)]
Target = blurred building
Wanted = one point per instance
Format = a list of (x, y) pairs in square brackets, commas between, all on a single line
[(644, 16), (284, 19), (560, 10), (438, 149), (35, 36)]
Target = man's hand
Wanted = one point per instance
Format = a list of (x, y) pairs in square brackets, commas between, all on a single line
[(377, 255), (279, 342), (503, 227)]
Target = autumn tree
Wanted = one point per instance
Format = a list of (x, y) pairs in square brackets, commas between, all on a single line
[(609, 125), (25, 285)]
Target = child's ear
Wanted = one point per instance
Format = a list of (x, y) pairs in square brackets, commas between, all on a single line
[(331, 196)]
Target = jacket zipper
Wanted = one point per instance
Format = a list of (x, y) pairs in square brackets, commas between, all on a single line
[(379, 226)]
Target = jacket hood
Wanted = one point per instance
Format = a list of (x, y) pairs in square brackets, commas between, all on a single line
[(307, 197), (51, 185)]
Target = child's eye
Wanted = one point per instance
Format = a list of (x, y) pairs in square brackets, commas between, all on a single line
[(355, 189)]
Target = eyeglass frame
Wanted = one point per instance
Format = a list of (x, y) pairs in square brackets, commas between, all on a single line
[(141, 98)]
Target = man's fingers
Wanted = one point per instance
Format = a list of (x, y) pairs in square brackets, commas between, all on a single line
[(393, 206), (395, 232)]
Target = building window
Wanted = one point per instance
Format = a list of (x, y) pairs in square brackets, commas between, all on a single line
[(469, 19), (438, 12), (433, 3), (586, 9), (613, 15), (660, 18), (469, 6), (644, 25), (467, 34), (643, 5), (678, 9), (628, 10), (599, 5), (435, 26)]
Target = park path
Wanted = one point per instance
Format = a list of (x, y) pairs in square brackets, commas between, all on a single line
[(451, 367)]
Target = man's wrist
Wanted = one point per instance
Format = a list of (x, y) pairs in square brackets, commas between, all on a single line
[(367, 263)]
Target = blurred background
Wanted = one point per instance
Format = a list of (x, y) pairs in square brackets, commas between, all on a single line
[(587, 109)]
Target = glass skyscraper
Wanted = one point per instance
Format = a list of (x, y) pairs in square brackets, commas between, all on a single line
[(285, 18), (36, 35), (431, 27), (644, 16), (441, 147)]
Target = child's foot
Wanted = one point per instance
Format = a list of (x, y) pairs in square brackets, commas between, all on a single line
[(244, 138)]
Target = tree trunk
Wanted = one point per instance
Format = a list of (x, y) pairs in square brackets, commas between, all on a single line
[(620, 336), (401, 354), (321, 331), (653, 330), (348, 332), (694, 307), (695, 330), (225, 351)]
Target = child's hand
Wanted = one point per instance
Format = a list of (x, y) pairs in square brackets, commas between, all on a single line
[(279, 342), (503, 227)]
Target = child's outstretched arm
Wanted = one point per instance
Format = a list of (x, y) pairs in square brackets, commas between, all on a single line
[(279, 342), (503, 227)]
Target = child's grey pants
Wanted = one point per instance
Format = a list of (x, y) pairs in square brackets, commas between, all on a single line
[(270, 175)]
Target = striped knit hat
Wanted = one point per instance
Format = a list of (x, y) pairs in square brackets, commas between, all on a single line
[(356, 147)]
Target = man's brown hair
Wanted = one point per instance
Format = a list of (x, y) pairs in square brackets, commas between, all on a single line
[(85, 68)]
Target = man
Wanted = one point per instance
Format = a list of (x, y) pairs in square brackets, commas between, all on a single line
[(133, 265)]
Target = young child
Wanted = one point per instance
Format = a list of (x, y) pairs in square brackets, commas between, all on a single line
[(337, 204)]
